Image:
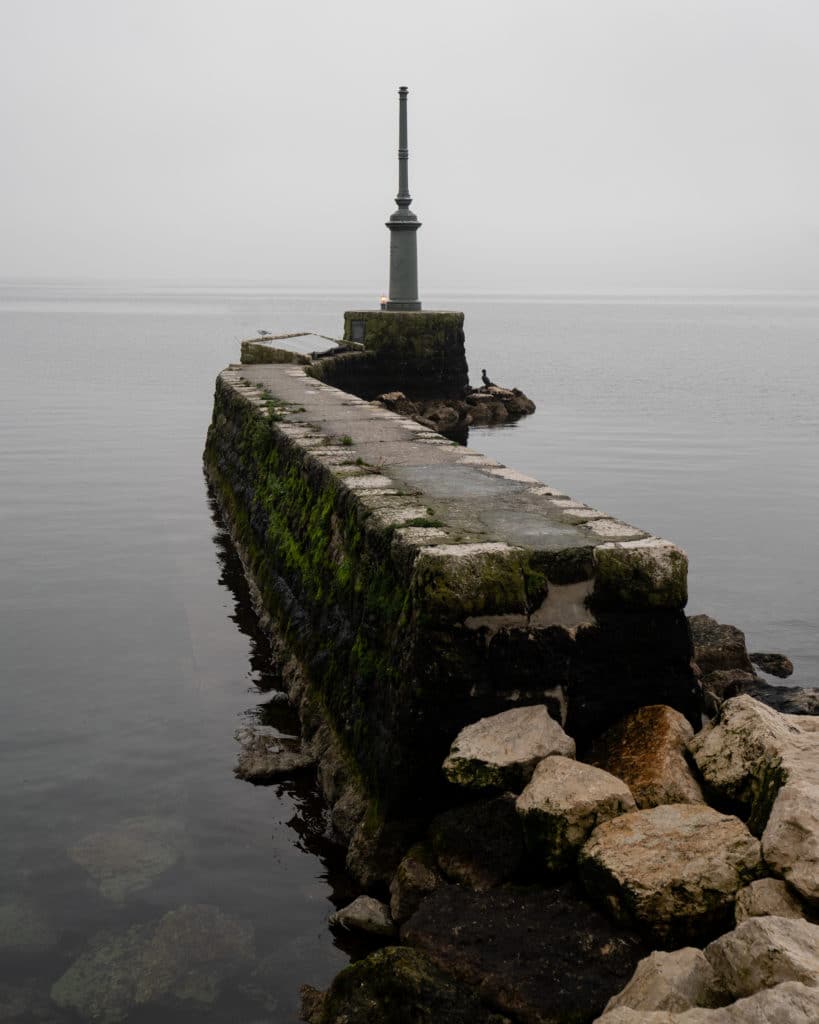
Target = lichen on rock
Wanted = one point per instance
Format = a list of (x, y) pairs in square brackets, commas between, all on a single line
[(646, 749), (675, 869), (563, 803), (502, 751), (752, 751), (650, 573), (401, 986), (767, 897), (763, 952), (675, 981)]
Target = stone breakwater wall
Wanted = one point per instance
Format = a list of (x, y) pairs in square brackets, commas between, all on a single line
[(423, 586)]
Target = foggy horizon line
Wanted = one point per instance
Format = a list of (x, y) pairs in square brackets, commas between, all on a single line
[(360, 288)]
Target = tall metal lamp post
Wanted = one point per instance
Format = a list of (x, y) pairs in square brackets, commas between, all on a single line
[(403, 224)]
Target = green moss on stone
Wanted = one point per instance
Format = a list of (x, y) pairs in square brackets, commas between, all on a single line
[(259, 352), (449, 588), (401, 986), (423, 332), (770, 778), (640, 577), (323, 568), (473, 774)]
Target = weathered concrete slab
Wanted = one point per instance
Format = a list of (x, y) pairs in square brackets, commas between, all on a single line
[(425, 586)]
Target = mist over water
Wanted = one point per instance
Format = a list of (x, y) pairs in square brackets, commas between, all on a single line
[(130, 651)]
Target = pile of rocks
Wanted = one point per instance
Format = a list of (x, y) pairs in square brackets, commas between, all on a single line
[(727, 669), (477, 407), (544, 888)]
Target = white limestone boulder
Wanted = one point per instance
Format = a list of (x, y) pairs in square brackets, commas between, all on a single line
[(671, 981), (767, 897), (501, 752), (564, 801), (365, 914), (763, 952), (646, 749), (790, 842), (788, 1003), (675, 869), (768, 763), (752, 751)]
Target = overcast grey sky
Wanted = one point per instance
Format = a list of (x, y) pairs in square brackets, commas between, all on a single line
[(577, 145)]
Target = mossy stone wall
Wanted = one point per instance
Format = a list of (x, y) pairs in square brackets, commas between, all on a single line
[(262, 352), (391, 636), (382, 646), (422, 354)]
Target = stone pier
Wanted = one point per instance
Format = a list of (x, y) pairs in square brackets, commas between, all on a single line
[(423, 585)]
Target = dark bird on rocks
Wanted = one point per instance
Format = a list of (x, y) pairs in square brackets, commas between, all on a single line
[(264, 334), (487, 383)]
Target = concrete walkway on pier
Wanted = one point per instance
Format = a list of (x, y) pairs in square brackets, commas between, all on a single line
[(416, 474)]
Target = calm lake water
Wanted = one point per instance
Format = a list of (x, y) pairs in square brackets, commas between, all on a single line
[(130, 654)]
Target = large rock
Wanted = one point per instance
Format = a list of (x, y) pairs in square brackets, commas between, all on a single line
[(752, 751), (773, 664), (416, 877), (490, 404), (790, 700), (398, 985), (671, 981), (185, 956), (266, 757), (724, 683), (544, 956), (766, 897), (768, 764), (763, 952), (646, 749), (365, 914), (376, 849), (479, 844), (501, 752), (788, 1003), (563, 803), (349, 811), (675, 868), (718, 646), (790, 842)]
